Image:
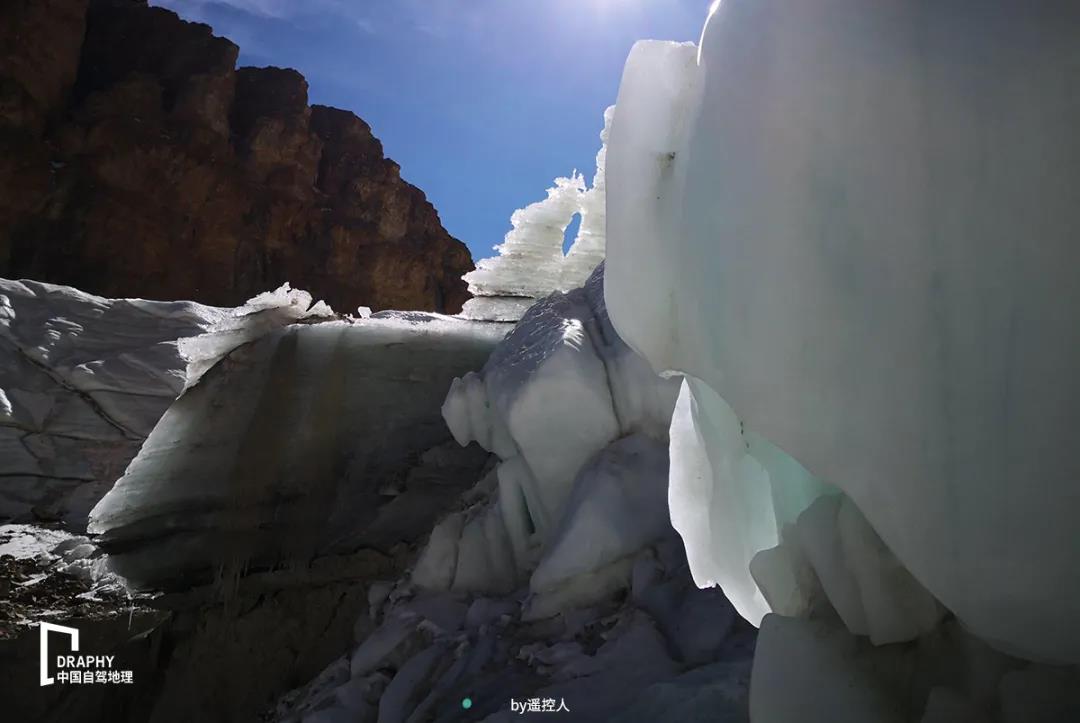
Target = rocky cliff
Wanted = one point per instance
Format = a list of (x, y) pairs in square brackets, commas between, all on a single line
[(137, 160)]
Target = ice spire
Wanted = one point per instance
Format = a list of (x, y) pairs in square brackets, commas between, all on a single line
[(531, 264)]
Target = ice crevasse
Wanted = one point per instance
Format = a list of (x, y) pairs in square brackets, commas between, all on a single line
[(852, 227)]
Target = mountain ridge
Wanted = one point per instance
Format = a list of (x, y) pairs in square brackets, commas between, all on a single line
[(136, 159)]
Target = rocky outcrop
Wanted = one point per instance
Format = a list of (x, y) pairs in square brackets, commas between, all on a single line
[(129, 141)]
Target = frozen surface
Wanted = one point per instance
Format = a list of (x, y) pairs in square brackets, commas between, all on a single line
[(614, 660), (861, 236), (557, 578), (234, 327), (314, 438), (832, 557), (615, 509), (719, 497), (531, 263), (774, 538), (552, 396), (83, 380)]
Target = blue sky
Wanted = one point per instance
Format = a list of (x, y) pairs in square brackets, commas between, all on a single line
[(482, 102)]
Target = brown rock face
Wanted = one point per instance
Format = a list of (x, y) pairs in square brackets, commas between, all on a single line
[(136, 160)]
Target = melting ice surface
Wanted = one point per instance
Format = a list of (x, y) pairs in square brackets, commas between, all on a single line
[(862, 236)]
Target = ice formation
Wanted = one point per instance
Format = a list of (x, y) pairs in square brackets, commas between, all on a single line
[(234, 327), (314, 438), (531, 263), (83, 380), (861, 236), (558, 576), (563, 360), (60, 551)]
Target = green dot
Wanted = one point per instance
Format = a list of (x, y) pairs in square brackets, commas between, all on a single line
[(466, 703)]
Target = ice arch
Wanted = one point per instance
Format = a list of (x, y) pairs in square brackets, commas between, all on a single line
[(531, 263)]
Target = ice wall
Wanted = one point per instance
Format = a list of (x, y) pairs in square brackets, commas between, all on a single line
[(567, 499), (83, 380), (531, 263), (856, 224), (558, 572), (324, 439), (303, 442)]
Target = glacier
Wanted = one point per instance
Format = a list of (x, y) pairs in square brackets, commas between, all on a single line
[(849, 229), (310, 439), (84, 379), (860, 235), (558, 575), (302, 459), (822, 385), (562, 358), (531, 262)]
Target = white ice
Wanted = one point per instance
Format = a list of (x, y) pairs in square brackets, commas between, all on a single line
[(531, 262), (552, 396), (616, 508), (855, 223), (261, 314), (283, 448), (83, 380), (532, 561)]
